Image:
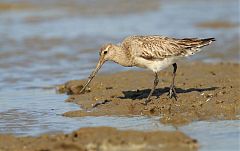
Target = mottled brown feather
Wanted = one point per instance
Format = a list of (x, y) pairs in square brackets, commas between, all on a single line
[(159, 47)]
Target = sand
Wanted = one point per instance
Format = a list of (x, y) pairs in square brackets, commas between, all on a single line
[(205, 92)]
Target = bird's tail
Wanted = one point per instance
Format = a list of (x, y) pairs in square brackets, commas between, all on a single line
[(194, 45)]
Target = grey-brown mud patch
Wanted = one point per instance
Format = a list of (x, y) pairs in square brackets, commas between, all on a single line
[(101, 139), (205, 92), (217, 25)]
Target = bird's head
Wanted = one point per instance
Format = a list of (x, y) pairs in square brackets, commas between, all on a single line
[(106, 53)]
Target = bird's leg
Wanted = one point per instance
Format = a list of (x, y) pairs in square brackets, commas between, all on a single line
[(172, 91), (156, 80)]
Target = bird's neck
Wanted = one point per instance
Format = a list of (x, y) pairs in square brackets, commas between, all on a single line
[(122, 56)]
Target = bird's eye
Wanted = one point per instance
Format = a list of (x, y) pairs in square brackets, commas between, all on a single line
[(105, 52)]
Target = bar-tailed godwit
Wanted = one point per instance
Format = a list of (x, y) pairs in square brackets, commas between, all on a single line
[(151, 52)]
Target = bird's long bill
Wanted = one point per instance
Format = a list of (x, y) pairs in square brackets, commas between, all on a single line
[(99, 65)]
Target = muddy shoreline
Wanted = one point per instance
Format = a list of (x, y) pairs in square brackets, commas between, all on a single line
[(101, 139), (45, 43), (205, 92)]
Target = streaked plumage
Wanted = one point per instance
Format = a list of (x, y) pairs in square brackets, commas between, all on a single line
[(158, 52), (158, 47), (151, 52)]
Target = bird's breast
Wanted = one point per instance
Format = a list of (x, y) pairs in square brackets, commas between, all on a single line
[(154, 65)]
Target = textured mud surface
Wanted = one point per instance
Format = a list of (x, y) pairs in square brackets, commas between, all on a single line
[(205, 92), (101, 139)]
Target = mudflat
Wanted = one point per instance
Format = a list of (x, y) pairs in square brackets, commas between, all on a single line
[(101, 139), (205, 92)]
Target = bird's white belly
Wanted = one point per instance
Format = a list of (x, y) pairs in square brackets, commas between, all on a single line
[(155, 65)]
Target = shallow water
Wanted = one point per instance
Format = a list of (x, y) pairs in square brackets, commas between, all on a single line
[(40, 48), (217, 135)]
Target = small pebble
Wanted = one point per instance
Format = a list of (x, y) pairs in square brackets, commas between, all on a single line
[(208, 99)]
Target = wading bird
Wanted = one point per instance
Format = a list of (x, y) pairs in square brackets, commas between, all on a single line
[(151, 52)]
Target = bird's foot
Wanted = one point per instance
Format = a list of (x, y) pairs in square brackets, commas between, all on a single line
[(147, 101), (172, 92)]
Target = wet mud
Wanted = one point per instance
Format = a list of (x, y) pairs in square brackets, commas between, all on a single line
[(217, 25), (101, 139), (205, 92)]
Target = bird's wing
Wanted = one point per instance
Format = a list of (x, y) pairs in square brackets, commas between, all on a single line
[(154, 47)]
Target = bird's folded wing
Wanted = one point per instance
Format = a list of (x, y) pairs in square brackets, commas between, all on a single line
[(159, 47), (156, 47)]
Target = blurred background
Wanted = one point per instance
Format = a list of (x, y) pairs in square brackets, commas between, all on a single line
[(48, 42)]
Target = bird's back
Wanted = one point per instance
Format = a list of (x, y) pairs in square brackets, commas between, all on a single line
[(160, 47)]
